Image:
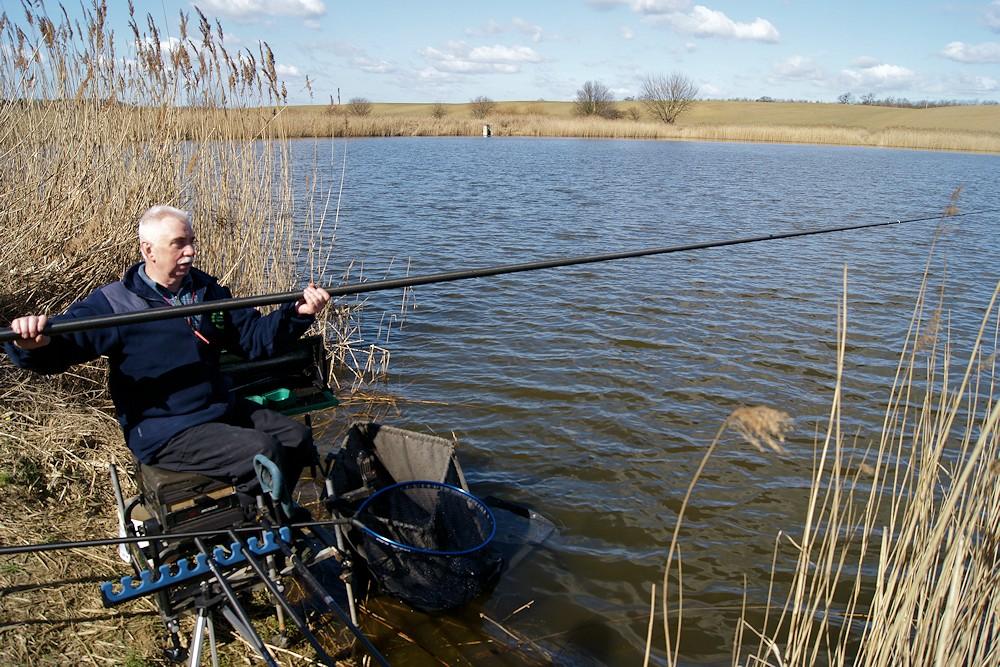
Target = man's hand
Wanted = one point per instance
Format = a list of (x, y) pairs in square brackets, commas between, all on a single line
[(314, 299), (30, 328)]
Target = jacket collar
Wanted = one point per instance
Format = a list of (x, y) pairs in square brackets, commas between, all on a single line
[(200, 282)]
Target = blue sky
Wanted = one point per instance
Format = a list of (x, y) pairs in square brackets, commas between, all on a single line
[(522, 50)]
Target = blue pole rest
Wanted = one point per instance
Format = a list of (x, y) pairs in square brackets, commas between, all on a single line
[(150, 581)]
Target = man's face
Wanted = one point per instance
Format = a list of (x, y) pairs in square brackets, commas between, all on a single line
[(171, 253)]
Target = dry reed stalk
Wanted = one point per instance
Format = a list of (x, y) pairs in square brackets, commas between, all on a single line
[(899, 554), (902, 568), (89, 140), (760, 426)]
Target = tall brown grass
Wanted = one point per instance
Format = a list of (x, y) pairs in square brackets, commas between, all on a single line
[(898, 559), (958, 129), (90, 138), (979, 134)]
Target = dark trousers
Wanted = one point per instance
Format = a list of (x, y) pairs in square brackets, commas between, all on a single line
[(227, 449)]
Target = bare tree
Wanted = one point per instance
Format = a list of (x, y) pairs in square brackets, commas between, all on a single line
[(439, 111), (482, 106), (846, 98), (667, 97), (595, 99), (359, 106)]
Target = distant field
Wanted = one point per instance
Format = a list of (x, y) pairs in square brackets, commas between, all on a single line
[(967, 128)]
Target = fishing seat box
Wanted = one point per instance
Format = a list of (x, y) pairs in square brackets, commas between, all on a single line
[(189, 502), (293, 382)]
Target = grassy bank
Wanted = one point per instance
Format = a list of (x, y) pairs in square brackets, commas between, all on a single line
[(962, 128)]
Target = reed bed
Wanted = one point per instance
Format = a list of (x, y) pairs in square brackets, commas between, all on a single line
[(317, 121), (904, 130), (898, 559), (88, 141)]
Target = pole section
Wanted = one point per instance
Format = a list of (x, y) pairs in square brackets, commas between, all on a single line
[(168, 312)]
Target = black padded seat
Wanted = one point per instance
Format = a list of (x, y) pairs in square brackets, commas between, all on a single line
[(182, 501), (169, 486)]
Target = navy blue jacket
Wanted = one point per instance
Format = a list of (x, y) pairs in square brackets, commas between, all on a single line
[(164, 379)]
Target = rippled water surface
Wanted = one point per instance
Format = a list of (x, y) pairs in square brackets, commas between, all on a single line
[(590, 393)]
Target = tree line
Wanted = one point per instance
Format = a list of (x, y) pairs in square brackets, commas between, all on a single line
[(664, 97), (869, 99)]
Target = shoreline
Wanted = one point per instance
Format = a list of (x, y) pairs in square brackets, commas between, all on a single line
[(966, 129)]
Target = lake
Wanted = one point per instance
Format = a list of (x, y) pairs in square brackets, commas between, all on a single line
[(590, 393)]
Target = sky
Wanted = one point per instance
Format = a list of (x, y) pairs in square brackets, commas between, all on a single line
[(434, 51)]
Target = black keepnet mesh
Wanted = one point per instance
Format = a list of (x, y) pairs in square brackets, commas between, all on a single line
[(428, 544)]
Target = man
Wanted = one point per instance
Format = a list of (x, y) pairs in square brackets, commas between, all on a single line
[(172, 401)]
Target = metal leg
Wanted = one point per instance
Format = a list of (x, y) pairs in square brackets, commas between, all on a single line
[(273, 572), (275, 590), (234, 609), (211, 641), (262, 508), (175, 652), (338, 530), (194, 648)]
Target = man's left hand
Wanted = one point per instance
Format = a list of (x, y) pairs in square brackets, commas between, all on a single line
[(314, 299)]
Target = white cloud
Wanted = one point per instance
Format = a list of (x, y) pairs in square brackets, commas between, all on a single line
[(290, 71), (604, 5), (433, 75), (865, 61), (648, 7), (798, 68), (531, 30), (373, 65), (963, 85), (704, 22), (626, 32), (168, 45), (492, 27), (698, 20), (709, 90), (511, 54), (977, 84), (876, 77), (658, 6), (360, 59), (459, 58), (250, 9), (992, 16), (987, 52)]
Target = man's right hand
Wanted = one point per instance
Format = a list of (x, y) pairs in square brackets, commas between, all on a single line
[(30, 328)]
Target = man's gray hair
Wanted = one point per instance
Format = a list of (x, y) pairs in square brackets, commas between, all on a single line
[(157, 214)]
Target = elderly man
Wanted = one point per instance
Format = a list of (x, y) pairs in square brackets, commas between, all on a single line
[(171, 398)]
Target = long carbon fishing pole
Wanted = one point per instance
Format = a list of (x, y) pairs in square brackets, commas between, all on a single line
[(154, 314), (114, 541)]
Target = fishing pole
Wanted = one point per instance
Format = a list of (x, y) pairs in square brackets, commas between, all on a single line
[(115, 541), (163, 313)]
